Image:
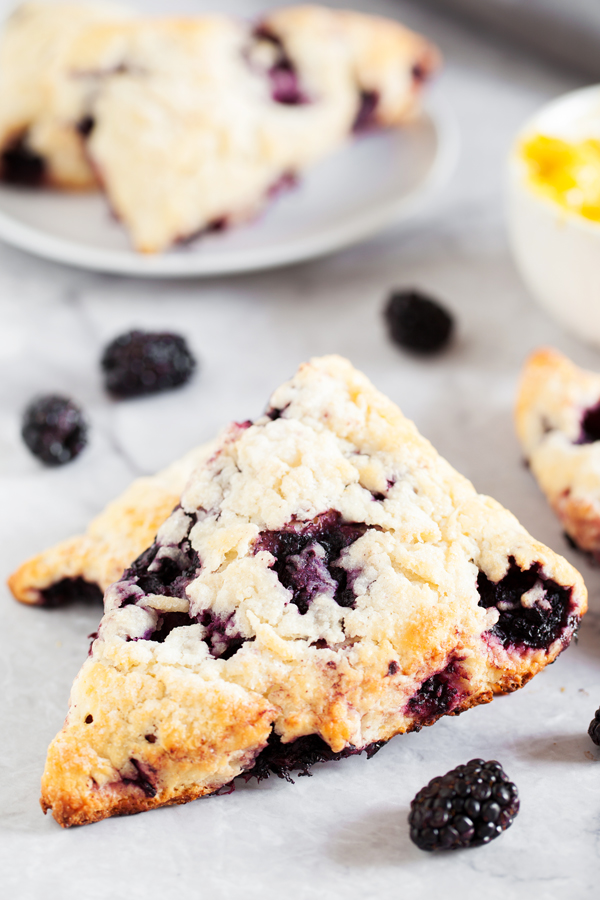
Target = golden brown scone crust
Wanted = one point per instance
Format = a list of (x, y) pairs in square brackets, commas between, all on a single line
[(326, 573), (194, 721), (553, 396), (113, 539)]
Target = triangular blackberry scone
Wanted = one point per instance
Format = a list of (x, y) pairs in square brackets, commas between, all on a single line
[(558, 425), (327, 582), (205, 118), (192, 124), (84, 566)]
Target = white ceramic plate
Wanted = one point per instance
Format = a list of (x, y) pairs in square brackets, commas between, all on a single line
[(378, 180)]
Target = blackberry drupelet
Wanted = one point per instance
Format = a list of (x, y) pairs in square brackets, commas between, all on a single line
[(594, 729), (417, 322), (142, 362), (469, 806), (54, 429)]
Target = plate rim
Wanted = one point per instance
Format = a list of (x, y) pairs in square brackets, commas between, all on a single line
[(347, 234)]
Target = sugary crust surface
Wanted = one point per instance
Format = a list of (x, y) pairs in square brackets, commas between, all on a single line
[(113, 539), (333, 567), (186, 131), (553, 397)]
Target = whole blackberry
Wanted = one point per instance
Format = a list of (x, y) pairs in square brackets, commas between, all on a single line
[(469, 806), (141, 362), (54, 429), (417, 322), (594, 729)]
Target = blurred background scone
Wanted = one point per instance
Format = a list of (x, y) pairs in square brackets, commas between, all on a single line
[(558, 424), (191, 124)]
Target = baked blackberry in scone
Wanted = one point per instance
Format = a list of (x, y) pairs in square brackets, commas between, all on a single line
[(189, 124), (84, 566), (327, 581), (558, 424)]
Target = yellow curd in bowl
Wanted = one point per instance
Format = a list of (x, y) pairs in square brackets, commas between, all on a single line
[(553, 209), (567, 173)]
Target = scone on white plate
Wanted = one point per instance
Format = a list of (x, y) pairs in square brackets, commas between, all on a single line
[(558, 424), (192, 124), (326, 582)]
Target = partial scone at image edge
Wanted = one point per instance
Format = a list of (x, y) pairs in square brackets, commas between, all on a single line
[(326, 582), (557, 417)]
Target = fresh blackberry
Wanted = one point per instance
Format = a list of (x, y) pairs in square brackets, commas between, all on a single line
[(141, 362), (469, 806), (54, 429), (417, 322), (594, 729)]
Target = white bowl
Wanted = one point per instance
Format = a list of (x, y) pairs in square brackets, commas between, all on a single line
[(557, 251)]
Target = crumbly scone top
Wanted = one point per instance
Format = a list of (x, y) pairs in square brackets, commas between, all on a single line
[(329, 521), (326, 576)]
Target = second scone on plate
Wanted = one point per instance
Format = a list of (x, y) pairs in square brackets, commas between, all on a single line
[(192, 124)]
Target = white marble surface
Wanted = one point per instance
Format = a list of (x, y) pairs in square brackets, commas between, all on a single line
[(342, 832)]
